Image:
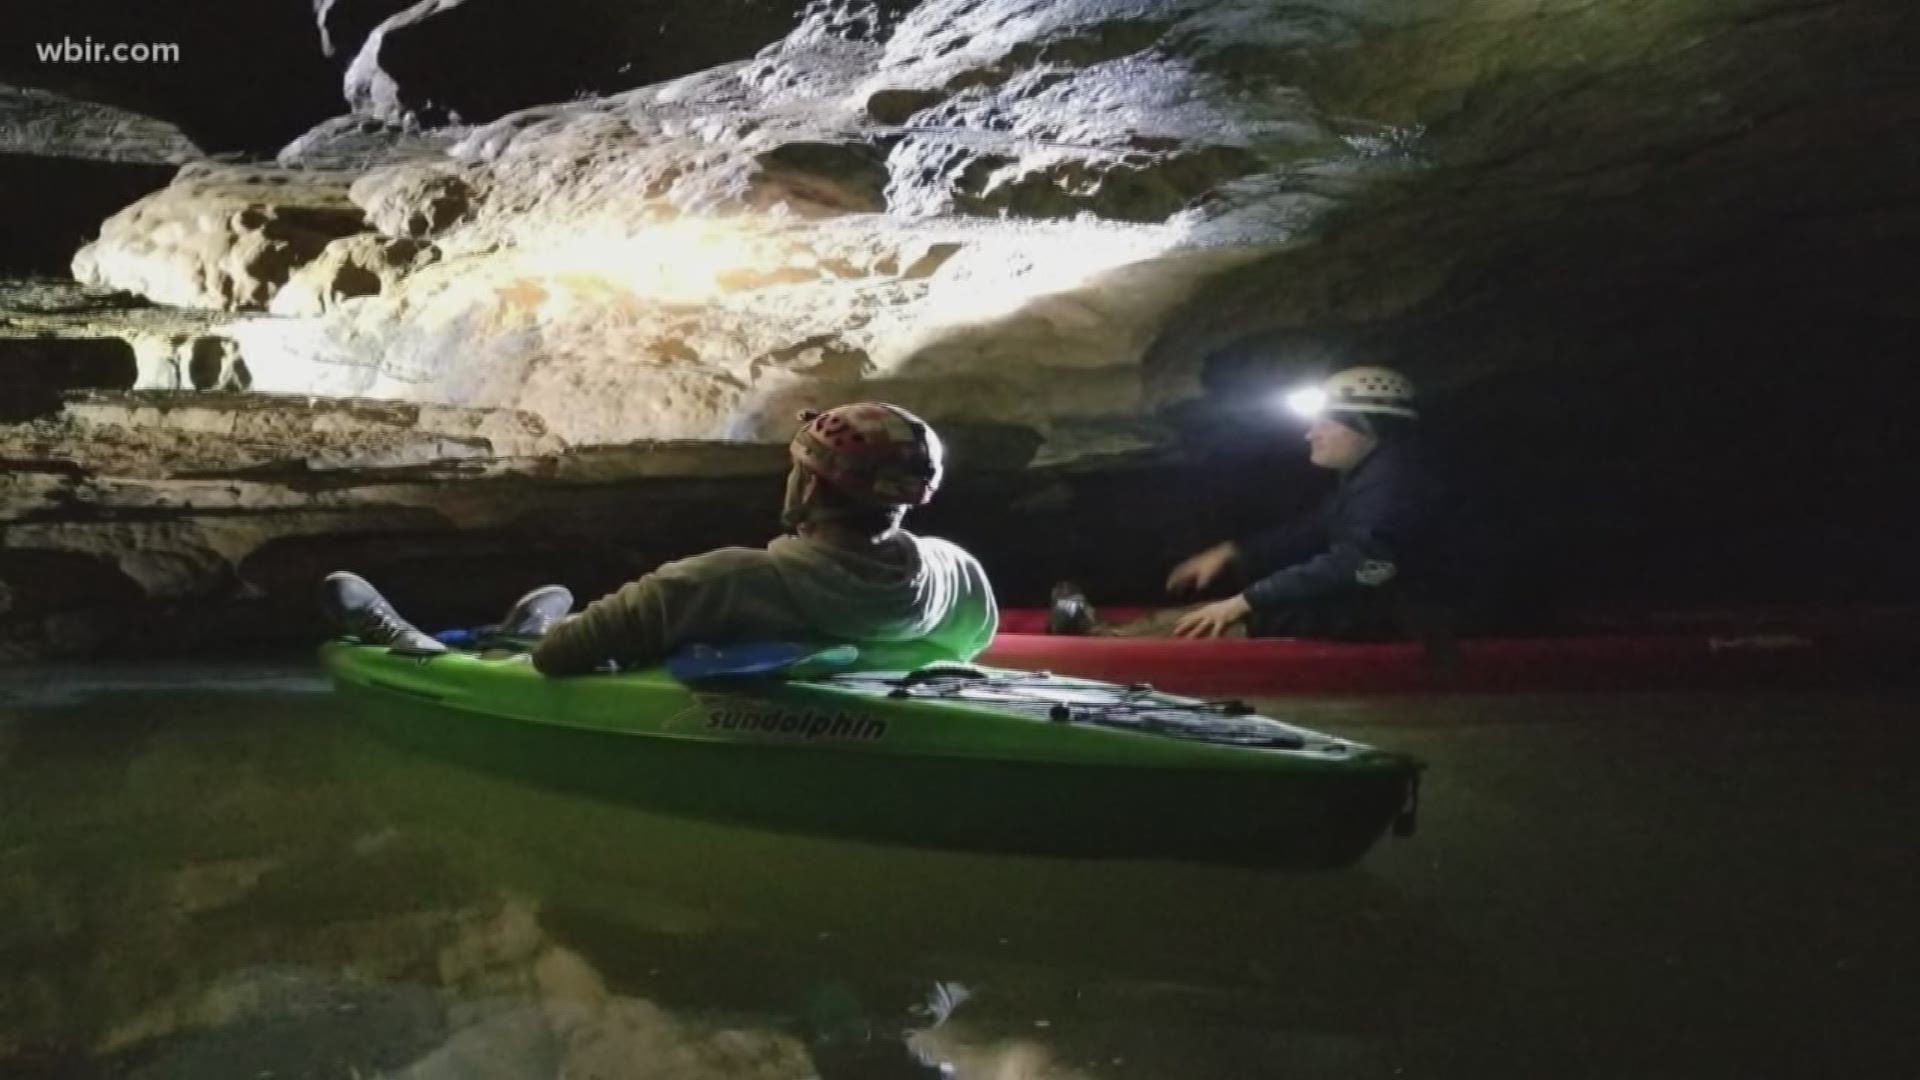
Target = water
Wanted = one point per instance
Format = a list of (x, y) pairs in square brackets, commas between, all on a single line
[(211, 873)]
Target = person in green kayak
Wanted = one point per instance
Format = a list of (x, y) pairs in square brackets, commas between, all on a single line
[(1381, 557), (846, 572)]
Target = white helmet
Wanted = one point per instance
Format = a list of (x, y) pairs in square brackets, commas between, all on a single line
[(1358, 390)]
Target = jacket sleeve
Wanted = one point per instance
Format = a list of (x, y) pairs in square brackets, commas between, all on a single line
[(1264, 552), (1361, 553), (644, 620), (628, 624), (1333, 570), (977, 608)]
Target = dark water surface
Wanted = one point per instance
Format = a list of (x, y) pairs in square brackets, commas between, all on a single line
[(212, 873)]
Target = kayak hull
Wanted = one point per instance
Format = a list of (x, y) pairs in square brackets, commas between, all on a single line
[(1119, 796), (1801, 651)]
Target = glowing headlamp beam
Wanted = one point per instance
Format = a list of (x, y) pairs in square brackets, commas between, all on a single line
[(1309, 403)]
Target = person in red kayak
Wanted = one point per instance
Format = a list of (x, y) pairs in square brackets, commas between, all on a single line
[(1371, 562), (846, 573)]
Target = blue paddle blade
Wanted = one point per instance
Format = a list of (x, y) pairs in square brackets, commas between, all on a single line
[(697, 663), (483, 638)]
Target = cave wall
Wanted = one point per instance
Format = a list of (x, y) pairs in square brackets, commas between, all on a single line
[(253, 74), (1649, 261)]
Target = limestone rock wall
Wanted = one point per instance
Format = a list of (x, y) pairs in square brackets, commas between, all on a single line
[(697, 258)]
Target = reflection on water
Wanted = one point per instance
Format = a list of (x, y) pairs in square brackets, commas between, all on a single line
[(212, 874)]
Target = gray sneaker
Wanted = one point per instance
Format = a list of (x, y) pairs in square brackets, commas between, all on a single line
[(532, 614), (356, 609), (1070, 612)]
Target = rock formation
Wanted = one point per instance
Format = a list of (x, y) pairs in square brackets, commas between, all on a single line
[(1618, 243)]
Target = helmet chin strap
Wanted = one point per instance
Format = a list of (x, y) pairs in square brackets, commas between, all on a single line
[(803, 510), (797, 511), (793, 502)]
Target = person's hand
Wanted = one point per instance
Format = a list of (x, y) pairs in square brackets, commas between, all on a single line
[(1199, 571), (1213, 619)]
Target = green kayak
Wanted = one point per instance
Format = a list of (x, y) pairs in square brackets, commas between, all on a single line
[(945, 756)]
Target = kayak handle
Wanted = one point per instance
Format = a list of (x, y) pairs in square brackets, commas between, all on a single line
[(933, 672)]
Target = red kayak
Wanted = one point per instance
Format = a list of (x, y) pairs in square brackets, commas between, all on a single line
[(1679, 651)]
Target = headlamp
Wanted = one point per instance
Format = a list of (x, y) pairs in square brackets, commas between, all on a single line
[(1308, 402)]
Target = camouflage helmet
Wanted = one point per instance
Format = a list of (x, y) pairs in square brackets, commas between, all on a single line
[(873, 453)]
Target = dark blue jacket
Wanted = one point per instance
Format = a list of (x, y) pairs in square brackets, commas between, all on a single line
[(1390, 522)]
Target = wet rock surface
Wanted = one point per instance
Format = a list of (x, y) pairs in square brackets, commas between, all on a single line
[(148, 523), (220, 238)]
